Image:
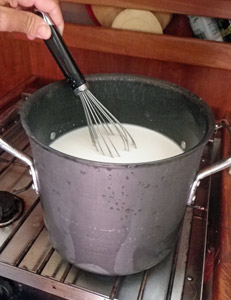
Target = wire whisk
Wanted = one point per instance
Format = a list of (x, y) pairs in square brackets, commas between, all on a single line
[(101, 123)]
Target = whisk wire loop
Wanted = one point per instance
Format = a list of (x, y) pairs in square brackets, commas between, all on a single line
[(112, 120), (100, 123), (103, 112), (90, 124), (96, 124)]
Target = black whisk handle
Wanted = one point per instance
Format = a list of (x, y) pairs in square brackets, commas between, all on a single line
[(61, 54)]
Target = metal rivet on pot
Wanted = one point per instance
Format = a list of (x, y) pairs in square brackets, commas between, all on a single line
[(183, 145), (189, 278), (52, 135)]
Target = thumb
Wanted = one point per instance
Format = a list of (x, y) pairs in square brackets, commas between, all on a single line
[(23, 21)]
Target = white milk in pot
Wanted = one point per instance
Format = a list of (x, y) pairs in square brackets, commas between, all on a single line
[(151, 146)]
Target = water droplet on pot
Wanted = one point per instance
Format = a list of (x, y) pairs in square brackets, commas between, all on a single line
[(53, 135), (183, 145), (189, 278)]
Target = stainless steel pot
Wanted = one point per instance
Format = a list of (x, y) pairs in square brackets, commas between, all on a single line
[(116, 219)]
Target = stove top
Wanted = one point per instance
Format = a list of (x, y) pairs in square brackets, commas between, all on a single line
[(27, 257)]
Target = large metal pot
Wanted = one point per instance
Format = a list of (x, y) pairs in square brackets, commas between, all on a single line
[(115, 219)]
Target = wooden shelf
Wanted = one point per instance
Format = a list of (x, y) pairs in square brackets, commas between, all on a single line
[(212, 8), (167, 48)]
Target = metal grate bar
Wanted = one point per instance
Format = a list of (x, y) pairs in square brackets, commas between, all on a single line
[(36, 257), (130, 286), (12, 134), (11, 176), (175, 291), (64, 276), (56, 267), (76, 276), (46, 259), (72, 275), (116, 287), (26, 249), (142, 286), (25, 235), (6, 159), (11, 131), (156, 286), (96, 283)]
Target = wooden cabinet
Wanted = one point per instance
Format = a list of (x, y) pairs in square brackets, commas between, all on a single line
[(213, 8)]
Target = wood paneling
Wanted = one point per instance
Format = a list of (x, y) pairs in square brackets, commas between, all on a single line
[(15, 94), (209, 84), (190, 51), (99, 50), (214, 8), (222, 271), (15, 64)]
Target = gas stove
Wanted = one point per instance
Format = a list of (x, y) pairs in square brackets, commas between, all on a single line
[(29, 265)]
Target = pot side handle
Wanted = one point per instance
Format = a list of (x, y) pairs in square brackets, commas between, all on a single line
[(24, 158), (214, 168), (208, 171)]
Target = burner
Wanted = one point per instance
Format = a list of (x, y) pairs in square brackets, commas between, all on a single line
[(11, 208)]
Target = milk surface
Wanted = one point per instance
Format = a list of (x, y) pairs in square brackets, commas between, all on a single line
[(151, 146)]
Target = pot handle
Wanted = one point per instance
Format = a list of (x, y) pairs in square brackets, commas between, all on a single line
[(210, 170), (26, 159)]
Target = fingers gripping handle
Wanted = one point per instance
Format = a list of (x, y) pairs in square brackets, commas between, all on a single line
[(62, 56)]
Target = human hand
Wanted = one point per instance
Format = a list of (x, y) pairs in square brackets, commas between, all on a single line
[(14, 17)]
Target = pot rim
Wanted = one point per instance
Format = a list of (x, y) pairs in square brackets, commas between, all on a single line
[(128, 77)]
